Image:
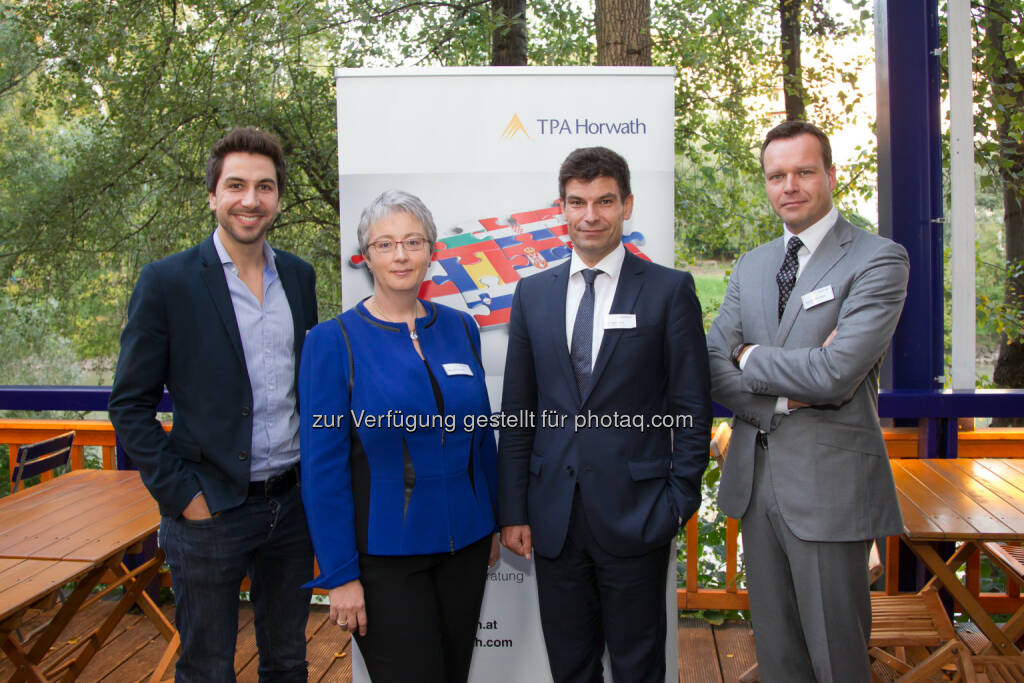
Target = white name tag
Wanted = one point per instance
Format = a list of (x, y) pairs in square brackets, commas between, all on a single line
[(457, 369), (620, 321), (818, 296)]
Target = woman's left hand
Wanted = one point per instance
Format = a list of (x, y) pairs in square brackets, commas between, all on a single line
[(495, 551)]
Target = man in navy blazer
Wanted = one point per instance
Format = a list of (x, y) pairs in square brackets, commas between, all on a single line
[(608, 353), (221, 325)]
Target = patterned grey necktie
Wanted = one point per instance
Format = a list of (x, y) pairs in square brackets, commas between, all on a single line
[(580, 350), (786, 277)]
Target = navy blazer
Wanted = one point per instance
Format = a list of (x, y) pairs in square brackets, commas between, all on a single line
[(636, 478), (181, 333)]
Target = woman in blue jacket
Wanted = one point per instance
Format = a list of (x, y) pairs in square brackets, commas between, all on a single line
[(398, 481)]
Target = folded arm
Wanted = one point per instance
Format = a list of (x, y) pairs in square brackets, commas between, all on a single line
[(726, 379), (830, 375)]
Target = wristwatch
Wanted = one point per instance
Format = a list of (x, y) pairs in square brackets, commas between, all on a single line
[(736, 353)]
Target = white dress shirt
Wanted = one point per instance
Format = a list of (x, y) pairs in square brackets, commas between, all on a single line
[(267, 331), (811, 237), (604, 291)]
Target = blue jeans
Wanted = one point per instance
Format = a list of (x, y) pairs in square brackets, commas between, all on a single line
[(265, 538)]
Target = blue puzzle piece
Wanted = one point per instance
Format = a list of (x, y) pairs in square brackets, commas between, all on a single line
[(456, 274)]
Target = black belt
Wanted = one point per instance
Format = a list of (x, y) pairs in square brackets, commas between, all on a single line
[(276, 485), (762, 440)]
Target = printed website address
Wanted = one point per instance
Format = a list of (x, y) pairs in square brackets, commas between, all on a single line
[(494, 642), (549, 419)]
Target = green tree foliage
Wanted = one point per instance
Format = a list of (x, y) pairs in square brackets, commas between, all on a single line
[(109, 108), (108, 111), (999, 124), (729, 62)]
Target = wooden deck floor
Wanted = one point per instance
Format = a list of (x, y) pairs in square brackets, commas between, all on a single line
[(706, 654)]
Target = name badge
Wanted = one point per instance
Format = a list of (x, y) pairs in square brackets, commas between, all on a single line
[(818, 296), (620, 321), (452, 369)]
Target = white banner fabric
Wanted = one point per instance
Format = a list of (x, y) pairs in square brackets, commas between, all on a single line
[(481, 147)]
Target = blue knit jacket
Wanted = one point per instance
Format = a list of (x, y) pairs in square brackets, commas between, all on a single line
[(432, 477)]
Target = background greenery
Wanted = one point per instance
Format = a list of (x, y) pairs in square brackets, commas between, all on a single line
[(108, 108)]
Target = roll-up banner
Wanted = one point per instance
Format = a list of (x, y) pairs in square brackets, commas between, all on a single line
[(481, 146)]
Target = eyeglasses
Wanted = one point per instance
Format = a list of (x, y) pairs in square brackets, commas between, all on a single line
[(388, 246)]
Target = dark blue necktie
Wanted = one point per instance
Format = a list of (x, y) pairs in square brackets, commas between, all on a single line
[(786, 276), (583, 333)]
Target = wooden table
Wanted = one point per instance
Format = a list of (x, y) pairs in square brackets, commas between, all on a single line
[(967, 502), (77, 527)]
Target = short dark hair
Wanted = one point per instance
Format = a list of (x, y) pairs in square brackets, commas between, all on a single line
[(587, 163), (792, 129), (250, 140)]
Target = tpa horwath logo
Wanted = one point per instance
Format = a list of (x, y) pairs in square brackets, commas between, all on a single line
[(514, 127)]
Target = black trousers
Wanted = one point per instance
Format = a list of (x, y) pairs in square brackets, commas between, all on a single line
[(422, 613), (589, 597)]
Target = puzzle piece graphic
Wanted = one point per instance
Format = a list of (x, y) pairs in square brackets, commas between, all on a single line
[(499, 317), (549, 212), (634, 237), (524, 217), (551, 247), (489, 264), (635, 250), (478, 270), (455, 274), (491, 224), (493, 298)]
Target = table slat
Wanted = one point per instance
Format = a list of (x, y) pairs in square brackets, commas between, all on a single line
[(953, 481), (23, 582), (943, 522)]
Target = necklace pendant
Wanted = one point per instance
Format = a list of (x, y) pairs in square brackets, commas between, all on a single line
[(413, 335)]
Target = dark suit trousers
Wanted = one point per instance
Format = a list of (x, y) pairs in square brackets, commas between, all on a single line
[(589, 597), (809, 601), (422, 614)]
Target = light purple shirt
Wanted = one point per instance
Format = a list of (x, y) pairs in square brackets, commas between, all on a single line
[(268, 338)]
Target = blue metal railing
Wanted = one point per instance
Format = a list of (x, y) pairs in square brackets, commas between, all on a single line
[(935, 412)]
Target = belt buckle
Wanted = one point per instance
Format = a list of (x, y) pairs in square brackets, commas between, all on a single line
[(280, 483), (272, 485)]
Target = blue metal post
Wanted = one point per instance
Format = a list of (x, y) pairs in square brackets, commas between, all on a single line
[(910, 204), (910, 178)]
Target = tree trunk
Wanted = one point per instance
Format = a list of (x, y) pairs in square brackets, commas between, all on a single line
[(1007, 82), (789, 44), (623, 32), (508, 41)]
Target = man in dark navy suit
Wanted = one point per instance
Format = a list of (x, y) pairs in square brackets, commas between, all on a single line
[(221, 325), (608, 352)]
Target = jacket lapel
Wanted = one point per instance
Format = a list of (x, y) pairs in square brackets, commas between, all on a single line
[(770, 287), (556, 323), (290, 282), (824, 258), (213, 275), (626, 293)]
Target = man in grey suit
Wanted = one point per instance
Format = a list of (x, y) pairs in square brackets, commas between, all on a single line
[(795, 353)]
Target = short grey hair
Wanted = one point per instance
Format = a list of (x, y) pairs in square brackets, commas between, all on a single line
[(387, 203)]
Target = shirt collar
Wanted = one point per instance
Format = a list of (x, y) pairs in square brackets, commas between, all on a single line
[(610, 265), (812, 236), (225, 258)]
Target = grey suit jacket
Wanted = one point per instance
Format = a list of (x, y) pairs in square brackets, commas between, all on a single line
[(827, 462)]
